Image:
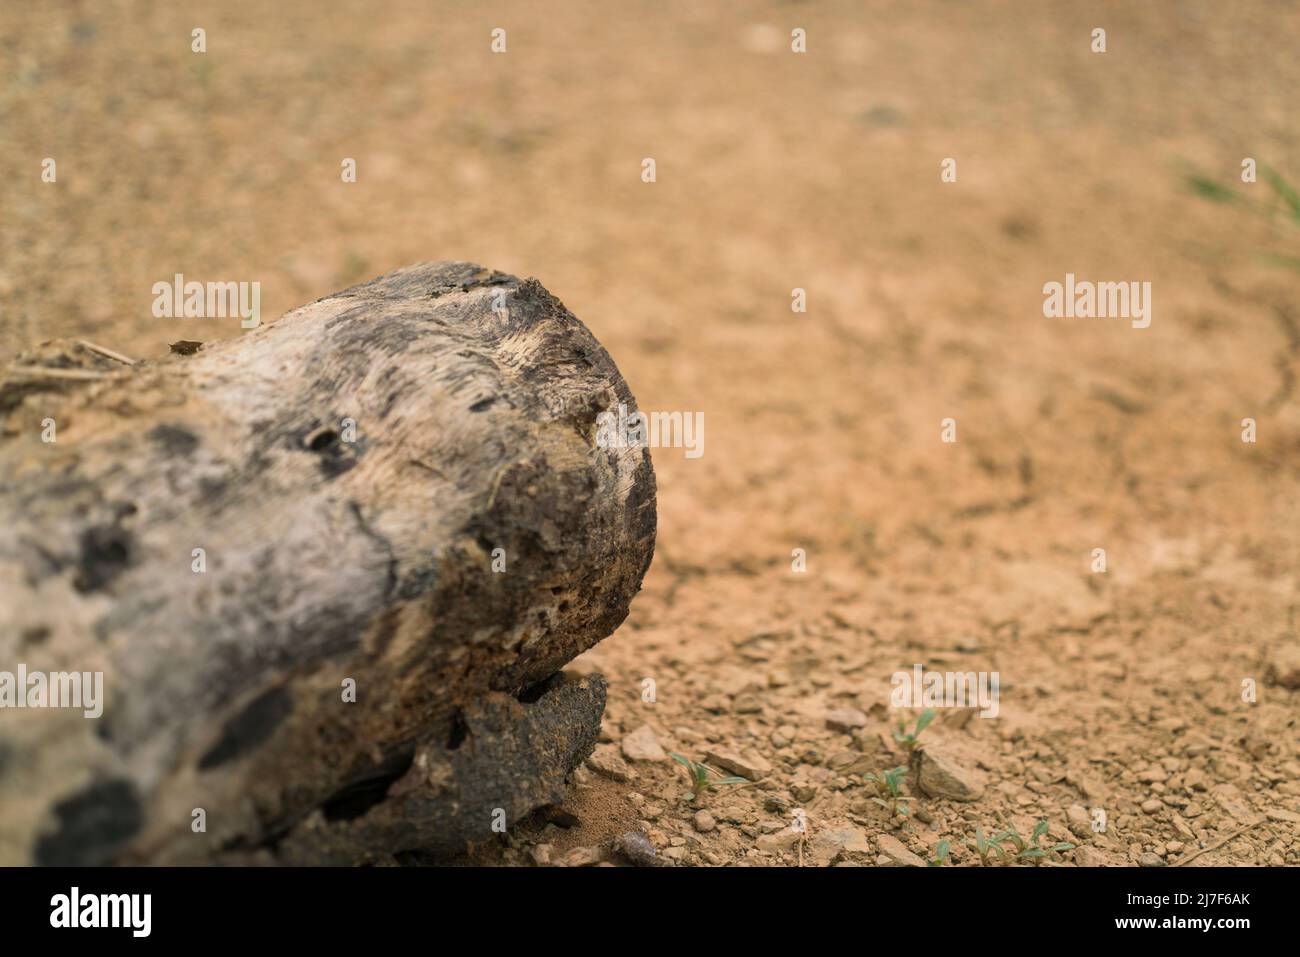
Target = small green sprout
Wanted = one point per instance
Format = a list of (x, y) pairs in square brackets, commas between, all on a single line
[(888, 792), (1284, 200), (1030, 850), (699, 775), (907, 739), (986, 848), (940, 855)]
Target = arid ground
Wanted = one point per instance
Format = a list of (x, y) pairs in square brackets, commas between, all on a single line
[(1127, 691)]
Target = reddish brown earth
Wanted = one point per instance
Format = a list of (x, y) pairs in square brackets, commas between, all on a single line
[(1121, 690)]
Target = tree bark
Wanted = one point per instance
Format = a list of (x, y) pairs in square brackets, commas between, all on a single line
[(397, 486)]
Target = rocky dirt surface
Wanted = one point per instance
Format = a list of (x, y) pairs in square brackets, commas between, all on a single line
[(1121, 691)]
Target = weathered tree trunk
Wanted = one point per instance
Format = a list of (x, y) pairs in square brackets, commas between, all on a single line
[(349, 472)]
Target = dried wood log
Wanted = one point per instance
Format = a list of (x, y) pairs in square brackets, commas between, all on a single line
[(395, 489)]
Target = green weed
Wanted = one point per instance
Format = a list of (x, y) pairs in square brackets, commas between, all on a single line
[(907, 740), (888, 790), (702, 777), (1284, 200), (940, 855), (1027, 851)]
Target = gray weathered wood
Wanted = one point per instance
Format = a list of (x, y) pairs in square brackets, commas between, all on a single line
[(326, 560)]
